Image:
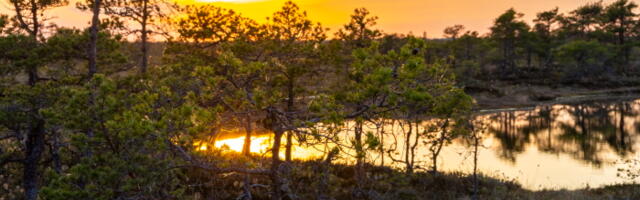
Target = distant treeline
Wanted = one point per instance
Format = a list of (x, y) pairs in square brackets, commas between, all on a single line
[(595, 44)]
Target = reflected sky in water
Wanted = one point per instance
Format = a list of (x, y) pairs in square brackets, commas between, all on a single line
[(563, 146), (553, 146)]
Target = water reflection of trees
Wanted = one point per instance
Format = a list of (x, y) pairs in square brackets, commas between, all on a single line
[(512, 139), (588, 132)]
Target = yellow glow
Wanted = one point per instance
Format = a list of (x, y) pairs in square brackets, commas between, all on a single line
[(258, 144), (201, 146), (403, 16), (228, 1), (406, 16), (261, 145)]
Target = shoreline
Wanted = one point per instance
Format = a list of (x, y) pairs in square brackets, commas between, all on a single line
[(501, 96)]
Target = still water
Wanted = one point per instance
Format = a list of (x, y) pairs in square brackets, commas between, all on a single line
[(546, 147)]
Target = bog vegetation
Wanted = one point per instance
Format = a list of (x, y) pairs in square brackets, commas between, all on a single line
[(87, 114)]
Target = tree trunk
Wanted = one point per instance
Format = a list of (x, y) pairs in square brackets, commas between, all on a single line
[(359, 152), (55, 152), (275, 166), (34, 143), (407, 151), (246, 148), (93, 45), (145, 51), (290, 104), (434, 168), (288, 146), (415, 144), (381, 135), (476, 143), (34, 148), (621, 41), (440, 144), (33, 75), (621, 125), (359, 172), (32, 71), (34, 17)]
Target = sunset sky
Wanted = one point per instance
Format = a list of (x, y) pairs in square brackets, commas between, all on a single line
[(396, 16)]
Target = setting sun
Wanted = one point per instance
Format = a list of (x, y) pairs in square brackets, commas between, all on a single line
[(258, 144)]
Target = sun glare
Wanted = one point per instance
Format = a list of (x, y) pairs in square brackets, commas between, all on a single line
[(258, 144)]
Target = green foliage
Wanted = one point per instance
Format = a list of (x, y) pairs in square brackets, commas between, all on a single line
[(372, 141), (291, 24), (510, 32), (211, 25), (584, 57), (19, 59), (509, 25), (67, 49), (358, 33), (134, 132), (291, 43)]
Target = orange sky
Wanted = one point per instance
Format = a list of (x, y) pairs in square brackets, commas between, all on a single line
[(396, 16)]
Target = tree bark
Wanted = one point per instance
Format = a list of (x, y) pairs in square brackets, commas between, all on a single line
[(359, 152), (276, 182), (381, 135), (34, 144), (246, 148), (32, 71), (55, 152), (476, 143), (34, 18), (144, 39), (415, 144), (621, 41), (290, 104), (288, 146), (93, 45), (34, 148), (436, 152), (407, 151)]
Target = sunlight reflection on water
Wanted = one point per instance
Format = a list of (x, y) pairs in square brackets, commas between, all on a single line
[(556, 146)]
